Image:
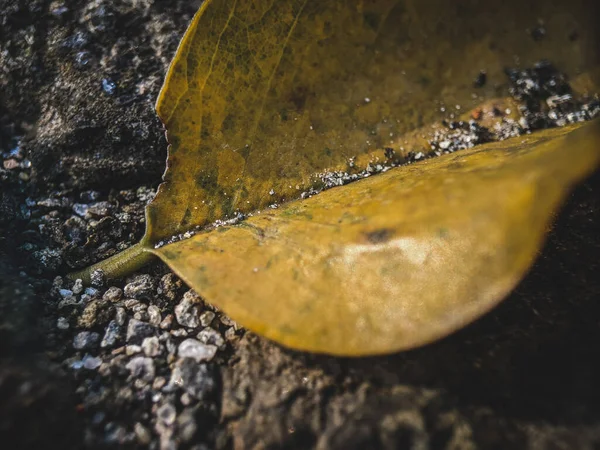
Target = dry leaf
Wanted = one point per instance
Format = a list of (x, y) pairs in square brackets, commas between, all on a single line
[(394, 261), (262, 96)]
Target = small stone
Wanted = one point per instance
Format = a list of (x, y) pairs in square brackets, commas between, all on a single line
[(188, 310), (109, 86), (91, 362), (142, 434), (62, 323), (10, 164), (180, 332), (143, 316), (151, 346), (186, 425), (69, 301), (154, 315), (206, 318), (80, 209), (167, 322), (166, 414), (137, 331), (77, 287), (96, 312), (140, 307), (100, 209), (131, 350), (131, 303), (112, 335), (97, 278), (198, 380), (169, 343), (86, 340), (65, 293), (169, 286), (158, 383), (121, 316), (141, 367), (227, 321), (186, 399), (92, 292), (230, 333), (191, 348), (113, 294), (57, 282), (141, 287), (211, 336)]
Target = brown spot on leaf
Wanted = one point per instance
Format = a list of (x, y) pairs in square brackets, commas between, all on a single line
[(379, 236)]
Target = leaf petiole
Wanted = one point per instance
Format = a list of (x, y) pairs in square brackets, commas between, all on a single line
[(119, 265)]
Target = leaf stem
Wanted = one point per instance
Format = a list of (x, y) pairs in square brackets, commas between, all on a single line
[(119, 265)]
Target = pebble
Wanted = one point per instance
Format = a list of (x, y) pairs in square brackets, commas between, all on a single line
[(230, 333), (154, 315), (167, 322), (142, 433), (196, 350), (92, 292), (151, 346), (86, 340), (131, 350), (96, 312), (211, 336), (100, 209), (166, 414), (141, 367), (80, 209), (97, 278), (113, 294), (142, 316), (198, 380), (91, 362), (77, 286), (121, 316), (180, 332), (227, 321), (206, 318), (169, 286), (112, 335), (62, 323), (131, 303), (188, 310), (141, 287), (158, 383), (138, 330), (65, 293), (186, 425)]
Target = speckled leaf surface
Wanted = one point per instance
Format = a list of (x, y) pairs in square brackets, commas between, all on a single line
[(393, 261), (262, 95)]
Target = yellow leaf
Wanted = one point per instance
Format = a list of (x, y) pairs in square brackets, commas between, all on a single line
[(394, 261), (262, 95)]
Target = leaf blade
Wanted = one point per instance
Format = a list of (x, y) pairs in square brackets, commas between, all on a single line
[(395, 261), (263, 95)]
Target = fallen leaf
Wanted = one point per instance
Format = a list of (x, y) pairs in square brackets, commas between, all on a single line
[(394, 261), (264, 96)]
